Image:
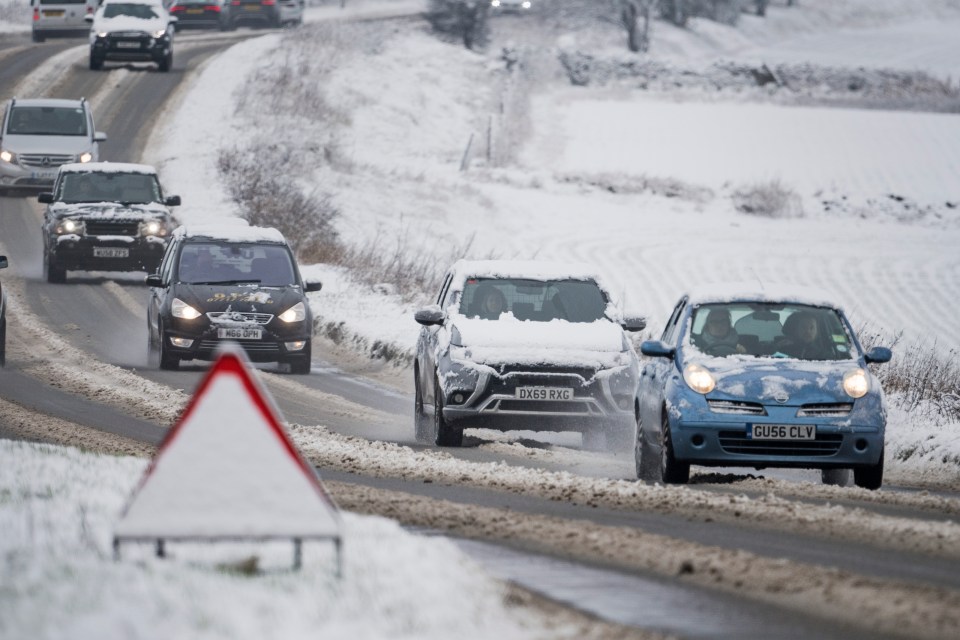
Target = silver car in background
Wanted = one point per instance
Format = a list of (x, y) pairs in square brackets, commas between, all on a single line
[(41, 134), (60, 18)]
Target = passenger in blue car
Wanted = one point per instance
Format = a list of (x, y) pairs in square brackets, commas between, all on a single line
[(719, 338)]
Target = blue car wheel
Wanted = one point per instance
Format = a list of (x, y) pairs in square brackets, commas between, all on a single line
[(671, 471)]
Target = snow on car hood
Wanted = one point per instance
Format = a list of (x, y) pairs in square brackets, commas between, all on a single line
[(108, 210), (511, 341), (769, 379)]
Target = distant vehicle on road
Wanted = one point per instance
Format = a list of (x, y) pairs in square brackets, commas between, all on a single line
[(230, 283), (523, 345), (260, 13), (60, 18), (744, 378), (104, 216), (3, 317), (511, 6), (202, 14), (132, 31), (41, 134)]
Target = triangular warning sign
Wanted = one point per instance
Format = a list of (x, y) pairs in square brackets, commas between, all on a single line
[(227, 469)]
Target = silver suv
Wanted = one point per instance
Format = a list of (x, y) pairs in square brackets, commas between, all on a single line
[(41, 134)]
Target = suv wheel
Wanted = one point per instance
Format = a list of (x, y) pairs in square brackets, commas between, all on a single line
[(37, 37), (166, 62), (95, 63), (52, 272), (447, 435), (3, 341)]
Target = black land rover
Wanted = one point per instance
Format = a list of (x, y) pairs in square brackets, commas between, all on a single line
[(104, 216), (226, 283)]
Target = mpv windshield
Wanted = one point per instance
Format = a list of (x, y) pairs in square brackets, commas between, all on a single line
[(236, 263), (537, 300), (763, 329), (47, 121)]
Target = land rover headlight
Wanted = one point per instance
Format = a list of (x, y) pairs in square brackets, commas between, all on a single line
[(86, 156), (856, 383), (181, 309), (153, 228), (7, 156), (296, 313), (699, 379), (70, 226)]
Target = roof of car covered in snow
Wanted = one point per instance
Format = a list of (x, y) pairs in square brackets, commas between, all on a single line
[(526, 269), (761, 292), (107, 167), (225, 232)]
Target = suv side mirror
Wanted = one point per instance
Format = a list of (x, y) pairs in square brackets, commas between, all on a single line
[(172, 201), (429, 316), (316, 285), (3, 262), (154, 280), (633, 322), (45, 198), (99, 136)]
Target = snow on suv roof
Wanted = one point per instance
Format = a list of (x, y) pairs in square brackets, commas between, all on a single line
[(47, 102), (237, 232), (758, 292), (527, 269), (107, 167)]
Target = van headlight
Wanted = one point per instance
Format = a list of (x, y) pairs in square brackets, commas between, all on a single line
[(699, 379), (296, 313), (856, 383)]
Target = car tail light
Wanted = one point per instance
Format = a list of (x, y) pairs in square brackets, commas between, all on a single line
[(89, 9), (268, 3), (176, 9), (212, 7), (235, 3), (36, 13)]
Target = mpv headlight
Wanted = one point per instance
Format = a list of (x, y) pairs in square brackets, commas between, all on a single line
[(296, 313), (181, 309), (699, 379), (856, 383)]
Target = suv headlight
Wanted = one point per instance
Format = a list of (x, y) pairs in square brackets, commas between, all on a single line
[(86, 156), (296, 313), (153, 228), (8, 156), (70, 226), (160, 34), (181, 309)]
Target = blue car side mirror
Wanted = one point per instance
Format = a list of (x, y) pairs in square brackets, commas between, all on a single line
[(878, 355), (657, 349)]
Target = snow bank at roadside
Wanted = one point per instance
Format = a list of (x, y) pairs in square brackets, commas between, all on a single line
[(61, 581)]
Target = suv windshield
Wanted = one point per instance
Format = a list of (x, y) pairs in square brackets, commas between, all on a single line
[(129, 188), (770, 330), (229, 262), (537, 300), (47, 121), (143, 11)]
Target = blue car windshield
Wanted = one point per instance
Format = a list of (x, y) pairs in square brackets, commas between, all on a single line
[(763, 329), (536, 300)]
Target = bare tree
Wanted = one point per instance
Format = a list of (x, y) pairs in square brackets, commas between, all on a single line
[(635, 18)]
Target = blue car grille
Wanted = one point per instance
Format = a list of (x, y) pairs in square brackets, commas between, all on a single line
[(737, 406), (826, 444), (827, 410)]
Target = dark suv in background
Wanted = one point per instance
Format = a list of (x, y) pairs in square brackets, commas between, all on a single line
[(105, 216)]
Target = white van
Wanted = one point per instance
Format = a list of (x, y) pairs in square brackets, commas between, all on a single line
[(61, 18), (291, 12)]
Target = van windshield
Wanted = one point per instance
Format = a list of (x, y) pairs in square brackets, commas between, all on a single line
[(47, 121)]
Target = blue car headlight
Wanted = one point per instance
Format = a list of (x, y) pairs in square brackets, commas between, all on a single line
[(699, 378), (856, 383)]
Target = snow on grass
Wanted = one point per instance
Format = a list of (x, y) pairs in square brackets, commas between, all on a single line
[(57, 510)]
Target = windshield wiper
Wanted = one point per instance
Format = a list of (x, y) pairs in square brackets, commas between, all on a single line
[(243, 281)]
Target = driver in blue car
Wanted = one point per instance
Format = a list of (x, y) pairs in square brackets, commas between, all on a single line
[(718, 336)]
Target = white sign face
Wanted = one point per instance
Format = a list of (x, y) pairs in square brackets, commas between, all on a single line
[(228, 468)]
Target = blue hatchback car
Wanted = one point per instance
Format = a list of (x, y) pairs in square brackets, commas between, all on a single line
[(740, 378)]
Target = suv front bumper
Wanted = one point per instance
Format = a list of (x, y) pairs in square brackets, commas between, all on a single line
[(73, 252)]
